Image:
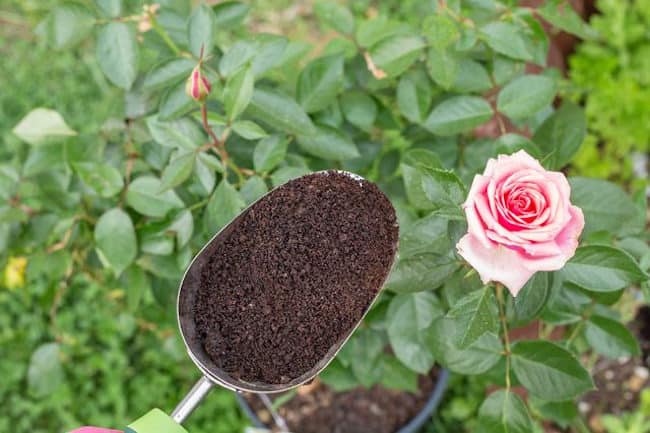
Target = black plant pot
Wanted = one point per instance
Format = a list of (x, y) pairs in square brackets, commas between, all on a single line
[(411, 427)]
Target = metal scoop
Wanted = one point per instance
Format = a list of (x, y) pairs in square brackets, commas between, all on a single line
[(212, 374)]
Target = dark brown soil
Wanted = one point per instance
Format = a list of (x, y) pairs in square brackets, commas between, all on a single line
[(619, 382), (318, 409), (294, 276)]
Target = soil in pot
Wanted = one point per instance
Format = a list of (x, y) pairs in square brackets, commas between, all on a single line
[(316, 408), (619, 382), (294, 276)]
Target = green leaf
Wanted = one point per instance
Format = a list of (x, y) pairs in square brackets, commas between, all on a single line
[(117, 54), (69, 24), (238, 92), (269, 152), (136, 284), (426, 235), (421, 272), (561, 134), (145, 197), (359, 109), (561, 412), (183, 226), (200, 30), (395, 54), (443, 67), (338, 377), (504, 412), (395, 375), (45, 373), (525, 96), (249, 130), (240, 53), (9, 180), (371, 31), (40, 125), (224, 205), (610, 337), (168, 72), (471, 77), (505, 69), (458, 114), (605, 206), (510, 143), (178, 170), (181, 133), (601, 268), (562, 16), (160, 244), (175, 103), (104, 179), (476, 359), (335, 16), (285, 174), (440, 30), (414, 167), (549, 371), (269, 54), (109, 8), (408, 316), (280, 111), (253, 189), (366, 344), (328, 143), (414, 95), (506, 39), (532, 298), (115, 239), (230, 14), (476, 313), (319, 82), (444, 190), (209, 164)]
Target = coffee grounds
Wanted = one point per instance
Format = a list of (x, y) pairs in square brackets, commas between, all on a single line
[(294, 276)]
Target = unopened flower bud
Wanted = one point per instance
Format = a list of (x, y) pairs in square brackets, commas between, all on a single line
[(197, 86)]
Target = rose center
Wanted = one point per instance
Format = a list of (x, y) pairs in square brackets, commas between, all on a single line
[(522, 204)]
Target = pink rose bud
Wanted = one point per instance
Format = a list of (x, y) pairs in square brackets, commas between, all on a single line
[(519, 221), (197, 86)]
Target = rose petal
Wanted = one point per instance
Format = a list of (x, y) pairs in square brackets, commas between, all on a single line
[(505, 165), (567, 240), (498, 263)]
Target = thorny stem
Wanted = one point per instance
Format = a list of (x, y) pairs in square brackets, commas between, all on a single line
[(502, 126), (204, 119), (504, 325), (219, 146)]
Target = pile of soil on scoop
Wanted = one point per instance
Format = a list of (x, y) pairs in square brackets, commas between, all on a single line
[(316, 408), (294, 276)]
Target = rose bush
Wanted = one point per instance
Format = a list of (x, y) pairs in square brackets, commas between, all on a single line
[(104, 216), (520, 221)]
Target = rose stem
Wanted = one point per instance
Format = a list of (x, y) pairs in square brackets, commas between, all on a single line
[(504, 324)]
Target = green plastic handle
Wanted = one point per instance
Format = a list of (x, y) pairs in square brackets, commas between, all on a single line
[(155, 421)]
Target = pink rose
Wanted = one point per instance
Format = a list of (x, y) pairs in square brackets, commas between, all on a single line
[(519, 221)]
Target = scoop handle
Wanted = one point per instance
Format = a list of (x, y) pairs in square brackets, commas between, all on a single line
[(200, 389), (157, 421)]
